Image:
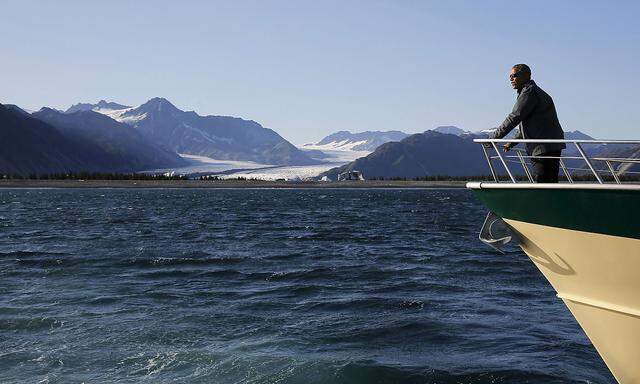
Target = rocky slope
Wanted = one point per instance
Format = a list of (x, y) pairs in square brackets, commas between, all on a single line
[(29, 146), (124, 148), (219, 137)]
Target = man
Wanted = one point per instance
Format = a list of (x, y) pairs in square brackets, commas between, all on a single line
[(536, 114)]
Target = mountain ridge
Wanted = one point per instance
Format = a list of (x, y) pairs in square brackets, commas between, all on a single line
[(102, 104), (30, 146), (125, 148), (219, 137), (358, 141)]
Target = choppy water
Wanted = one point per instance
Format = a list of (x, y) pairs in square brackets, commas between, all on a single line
[(273, 286)]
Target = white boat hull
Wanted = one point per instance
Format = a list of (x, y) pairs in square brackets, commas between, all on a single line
[(596, 275)]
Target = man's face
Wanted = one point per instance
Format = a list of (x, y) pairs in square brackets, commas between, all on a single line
[(518, 79)]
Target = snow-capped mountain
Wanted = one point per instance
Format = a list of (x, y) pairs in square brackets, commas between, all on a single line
[(451, 130), (123, 148), (48, 142), (218, 137), (362, 141), (100, 106), (370, 140)]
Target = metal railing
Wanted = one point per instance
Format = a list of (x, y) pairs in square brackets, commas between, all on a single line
[(591, 163)]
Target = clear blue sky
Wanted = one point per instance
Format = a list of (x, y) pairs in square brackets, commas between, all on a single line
[(309, 68)]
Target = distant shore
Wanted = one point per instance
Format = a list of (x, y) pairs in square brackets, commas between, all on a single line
[(226, 184)]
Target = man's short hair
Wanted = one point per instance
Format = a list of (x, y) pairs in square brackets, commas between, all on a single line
[(524, 68)]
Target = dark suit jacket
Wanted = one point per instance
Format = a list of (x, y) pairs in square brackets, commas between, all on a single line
[(535, 112)]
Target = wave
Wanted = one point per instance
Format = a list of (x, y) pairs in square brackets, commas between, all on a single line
[(29, 323), (177, 261), (30, 253)]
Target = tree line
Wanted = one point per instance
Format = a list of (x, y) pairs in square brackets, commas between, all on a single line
[(95, 176)]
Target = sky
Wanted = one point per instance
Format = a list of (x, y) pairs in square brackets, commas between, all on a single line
[(309, 68)]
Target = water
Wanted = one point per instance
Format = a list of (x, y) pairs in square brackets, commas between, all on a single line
[(273, 286)]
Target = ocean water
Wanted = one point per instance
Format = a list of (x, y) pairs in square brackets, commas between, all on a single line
[(273, 286)]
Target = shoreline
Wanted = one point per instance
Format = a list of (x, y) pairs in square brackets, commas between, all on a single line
[(220, 184)]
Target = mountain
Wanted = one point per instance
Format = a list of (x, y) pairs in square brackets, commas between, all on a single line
[(15, 108), (219, 137), (362, 141), (577, 135), (433, 153), (30, 146), (424, 154), (119, 147), (572, 150), (101, 105), (451, 130)]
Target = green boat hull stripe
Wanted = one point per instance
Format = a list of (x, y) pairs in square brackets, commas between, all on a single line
[(609, 212)]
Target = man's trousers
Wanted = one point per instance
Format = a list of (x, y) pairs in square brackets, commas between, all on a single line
[(546, 170)]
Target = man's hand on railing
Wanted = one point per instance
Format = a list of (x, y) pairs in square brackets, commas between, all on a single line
[(506, 147)]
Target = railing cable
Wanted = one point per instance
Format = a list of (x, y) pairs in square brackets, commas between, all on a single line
[(506, 167), (520, 158), (613, 172), (493, 171), (566, 172), (586, 159)]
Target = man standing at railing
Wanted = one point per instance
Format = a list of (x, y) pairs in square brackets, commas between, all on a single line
[(536, 114)]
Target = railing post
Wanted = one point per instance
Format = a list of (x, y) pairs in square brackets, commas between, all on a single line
[(493, 171), (586, 159), (615, 176), (506, 168), (592, 163), (524, 165)]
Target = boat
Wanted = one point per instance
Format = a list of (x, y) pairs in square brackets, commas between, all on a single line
[(351, 176), (584, 237)]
